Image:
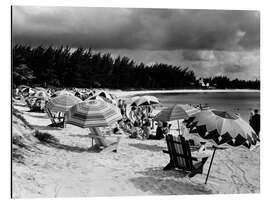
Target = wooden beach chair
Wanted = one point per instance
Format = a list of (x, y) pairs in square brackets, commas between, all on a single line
[(180, 156), (52, 118)]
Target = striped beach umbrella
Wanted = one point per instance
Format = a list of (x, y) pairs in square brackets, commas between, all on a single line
[(223, 128), (176, 112), (93, 113), (62, 103)]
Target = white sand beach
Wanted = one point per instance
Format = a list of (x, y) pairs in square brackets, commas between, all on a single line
[(70, 169)]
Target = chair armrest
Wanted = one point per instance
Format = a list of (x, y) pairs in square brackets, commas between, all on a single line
[(165, 151), (181, 155)]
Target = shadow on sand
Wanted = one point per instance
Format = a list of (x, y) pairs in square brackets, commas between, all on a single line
[(73, 148), (80, 135), (159, 182), (41, 127), (40, 116), (153, 148)]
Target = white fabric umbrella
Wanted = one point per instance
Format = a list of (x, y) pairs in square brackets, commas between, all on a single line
[(145, 100)]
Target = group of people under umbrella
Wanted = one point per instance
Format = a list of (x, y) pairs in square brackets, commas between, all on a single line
[(218, 127)]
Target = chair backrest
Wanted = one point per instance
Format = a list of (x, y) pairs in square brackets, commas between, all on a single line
[(178, 145), (49, 114)]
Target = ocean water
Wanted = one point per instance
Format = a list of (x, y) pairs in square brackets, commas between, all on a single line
[(237, 102)]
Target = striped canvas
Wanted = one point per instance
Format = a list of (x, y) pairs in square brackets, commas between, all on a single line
[(93, 113), (62, 103), (176, 112), (222, 128)]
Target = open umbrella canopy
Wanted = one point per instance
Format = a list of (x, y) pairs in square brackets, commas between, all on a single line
[(62, 92), (145, 100), (176, 112), (23, 87), (62, 103), (134, 98), (104, 94), (40, 95), (223, 128), (93, 113), (40, 89), (28, 90)]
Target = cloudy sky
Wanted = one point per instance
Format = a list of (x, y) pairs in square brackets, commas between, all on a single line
[(210, 42)]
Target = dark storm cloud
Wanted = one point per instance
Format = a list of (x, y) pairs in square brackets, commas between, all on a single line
[(148, 29)]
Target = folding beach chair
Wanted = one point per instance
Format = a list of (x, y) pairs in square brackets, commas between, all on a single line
[(54, 123), (180, 156)]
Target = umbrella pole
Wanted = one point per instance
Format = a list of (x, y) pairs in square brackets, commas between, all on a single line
[(178, 127), (210, 164)]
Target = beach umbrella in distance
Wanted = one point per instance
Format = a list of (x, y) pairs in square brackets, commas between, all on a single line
[(40, 95), (176, 112), (40, 89), (62, 103), (28, 90), (93, 113), (62, 92), (104, 94), (132, 99), (222, 128), (145, 100)]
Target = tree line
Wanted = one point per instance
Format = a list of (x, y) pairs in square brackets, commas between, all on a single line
[(61, 67)]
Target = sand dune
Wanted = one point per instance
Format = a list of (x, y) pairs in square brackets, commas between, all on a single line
[(70, 169)]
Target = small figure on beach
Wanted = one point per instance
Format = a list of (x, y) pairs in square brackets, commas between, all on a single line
[(255, 121), (146, 128), (159, 132)]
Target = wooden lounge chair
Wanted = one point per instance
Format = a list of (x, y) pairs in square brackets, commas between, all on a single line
[(180, 156)]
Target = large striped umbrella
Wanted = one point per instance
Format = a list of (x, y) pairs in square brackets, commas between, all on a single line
[(176, 112), (93, 113), (62, 103), (222, 128)]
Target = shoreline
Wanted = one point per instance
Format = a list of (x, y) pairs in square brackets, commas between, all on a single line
[(124, 93)]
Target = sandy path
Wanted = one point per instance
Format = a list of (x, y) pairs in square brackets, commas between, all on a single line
[(71, 170)]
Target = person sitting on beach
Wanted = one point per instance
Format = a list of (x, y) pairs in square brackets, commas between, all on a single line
[(146, 128), (255, 121), (136, 130), (124, 108), (126, 125), (166, 128), (159, 132), (132, 113)]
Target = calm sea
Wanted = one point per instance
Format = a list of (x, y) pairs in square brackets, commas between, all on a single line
[(238, 102)]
